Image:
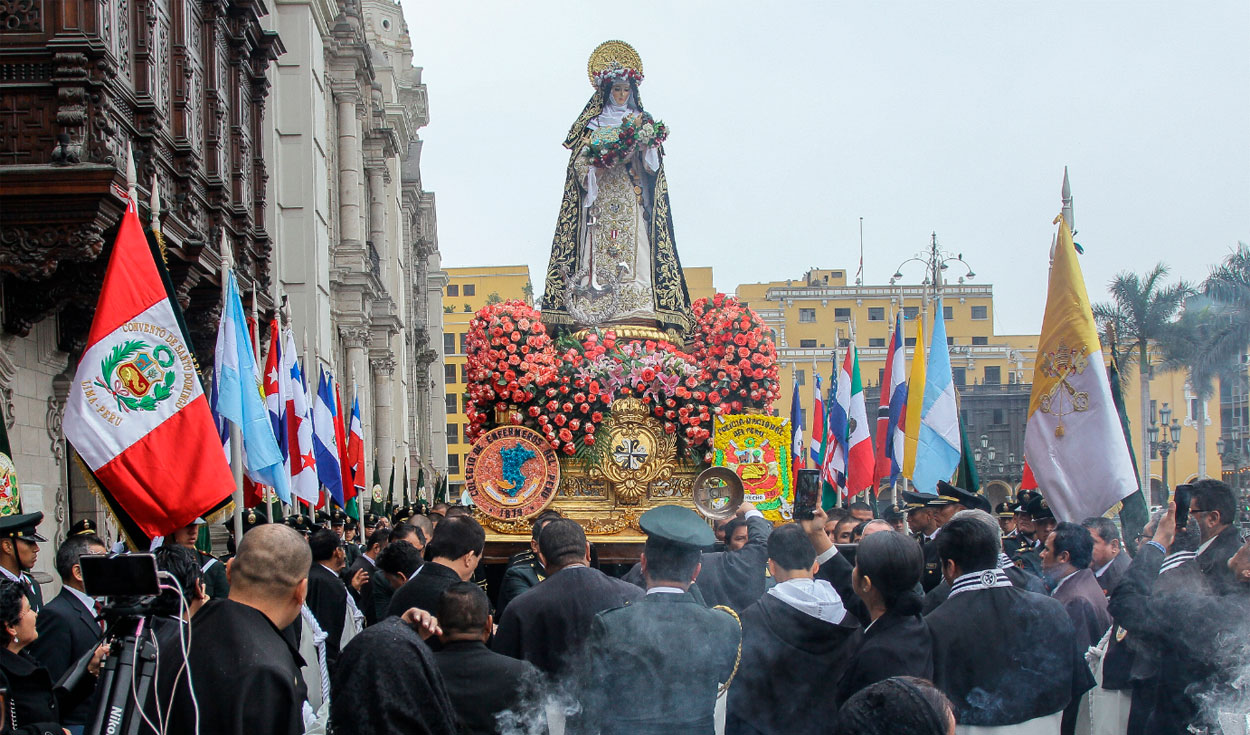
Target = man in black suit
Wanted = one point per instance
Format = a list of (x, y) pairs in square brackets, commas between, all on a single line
[(1066, 558), (524, 570), (986, 653), (327, 595), (397, 564), (1110, 560), (67, 624), (482, 683), (925, 516), (735, 577), (1213, 509), (366, 562), (453, 554), (238, 656), (548, 624)]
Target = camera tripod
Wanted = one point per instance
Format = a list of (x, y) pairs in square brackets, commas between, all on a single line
[(130, 665)]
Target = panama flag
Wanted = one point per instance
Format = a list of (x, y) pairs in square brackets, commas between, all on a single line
[(859, 459), (275, 398), (356, 455), (325, 446), (1073, 439), (136, 412), (817, 443), (937, 447), (798, 460), (301, 460)]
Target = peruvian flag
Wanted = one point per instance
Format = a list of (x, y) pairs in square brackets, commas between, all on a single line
[(136, 412), (301, 462)]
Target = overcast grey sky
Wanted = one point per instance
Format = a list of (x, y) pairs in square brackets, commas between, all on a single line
[(790, 121)]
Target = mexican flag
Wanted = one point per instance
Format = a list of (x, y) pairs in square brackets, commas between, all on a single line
[(136, 413), (860, 463)]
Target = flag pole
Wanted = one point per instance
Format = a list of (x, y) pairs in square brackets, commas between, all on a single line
[(236, 435)]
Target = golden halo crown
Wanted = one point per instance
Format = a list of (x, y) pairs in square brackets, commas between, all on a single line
[(614, 59)]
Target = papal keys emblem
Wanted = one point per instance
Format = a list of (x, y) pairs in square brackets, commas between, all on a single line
[(512, 473)]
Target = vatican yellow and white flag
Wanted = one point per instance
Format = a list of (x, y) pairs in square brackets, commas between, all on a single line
[(1073, 441)]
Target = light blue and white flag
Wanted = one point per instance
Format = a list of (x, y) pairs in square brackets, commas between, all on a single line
[(937, 449), (239, 397)]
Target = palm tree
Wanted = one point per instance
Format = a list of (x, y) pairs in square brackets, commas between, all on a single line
[(1141, 309), (1228, 287), (1186, 345)]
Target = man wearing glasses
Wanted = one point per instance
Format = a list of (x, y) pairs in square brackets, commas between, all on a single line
[(1213, 511)]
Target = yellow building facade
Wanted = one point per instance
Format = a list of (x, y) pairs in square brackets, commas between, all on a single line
[(467, 290)]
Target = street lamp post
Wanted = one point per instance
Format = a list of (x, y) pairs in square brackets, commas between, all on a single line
[(984, 456), (1163, 445)]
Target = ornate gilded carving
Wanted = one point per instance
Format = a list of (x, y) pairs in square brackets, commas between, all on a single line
[(638, 452)]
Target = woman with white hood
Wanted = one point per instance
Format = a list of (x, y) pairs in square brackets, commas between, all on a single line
[(794, 646)]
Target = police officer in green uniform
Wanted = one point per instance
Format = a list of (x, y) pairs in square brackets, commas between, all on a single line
[(299, 522), (19, 548), (215, 582), (252, 517), (656, 666)]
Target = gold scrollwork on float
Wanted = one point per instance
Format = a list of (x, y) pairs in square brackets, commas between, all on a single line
[(638, 453)]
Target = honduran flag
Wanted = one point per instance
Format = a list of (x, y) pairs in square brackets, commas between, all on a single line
[(301, 459), (325, 445), (136, 412)]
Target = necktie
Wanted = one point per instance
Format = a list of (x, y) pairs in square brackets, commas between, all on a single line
[(99, 610)]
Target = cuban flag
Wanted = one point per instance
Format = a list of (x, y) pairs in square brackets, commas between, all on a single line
[(275, 399), (301, 460), (797, 459), (136, 411), (938, 444), (356, 451), (239, 396), (325, 446)]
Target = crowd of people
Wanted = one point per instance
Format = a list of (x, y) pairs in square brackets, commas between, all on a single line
[(936, 616)]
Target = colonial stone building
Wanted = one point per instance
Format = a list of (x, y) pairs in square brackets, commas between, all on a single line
[(290, 128)]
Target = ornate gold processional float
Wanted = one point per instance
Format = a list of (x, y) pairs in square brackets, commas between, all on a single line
[(619, 393)]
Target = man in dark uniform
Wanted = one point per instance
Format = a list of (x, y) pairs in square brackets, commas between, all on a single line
[(251, 519), (19, 550), (893, 515), (1006, 518), (67, 624), (524, 569), (656, 665), (1003, 656), (366, 562), (735, 577), (549, 623), (925, 516), (215, 580), (246, 675), (299, 523)]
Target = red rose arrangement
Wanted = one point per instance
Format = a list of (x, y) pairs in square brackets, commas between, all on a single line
[(737, 353), (564, 389), (608, 146)]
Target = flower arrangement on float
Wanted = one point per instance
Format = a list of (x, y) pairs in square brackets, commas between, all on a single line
[(608, 146), (564, 388)]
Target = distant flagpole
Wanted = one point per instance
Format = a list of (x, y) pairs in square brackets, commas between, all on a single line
[(236, 433)]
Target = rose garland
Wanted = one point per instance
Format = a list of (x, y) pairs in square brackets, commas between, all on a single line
[(609, 146), (563, 390)]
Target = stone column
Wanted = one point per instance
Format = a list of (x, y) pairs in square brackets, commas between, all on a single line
[(349, 169), (355, 339), (383, 368), (376, 171)]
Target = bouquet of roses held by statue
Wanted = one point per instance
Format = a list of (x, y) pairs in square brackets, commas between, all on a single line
[(609, 146)]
